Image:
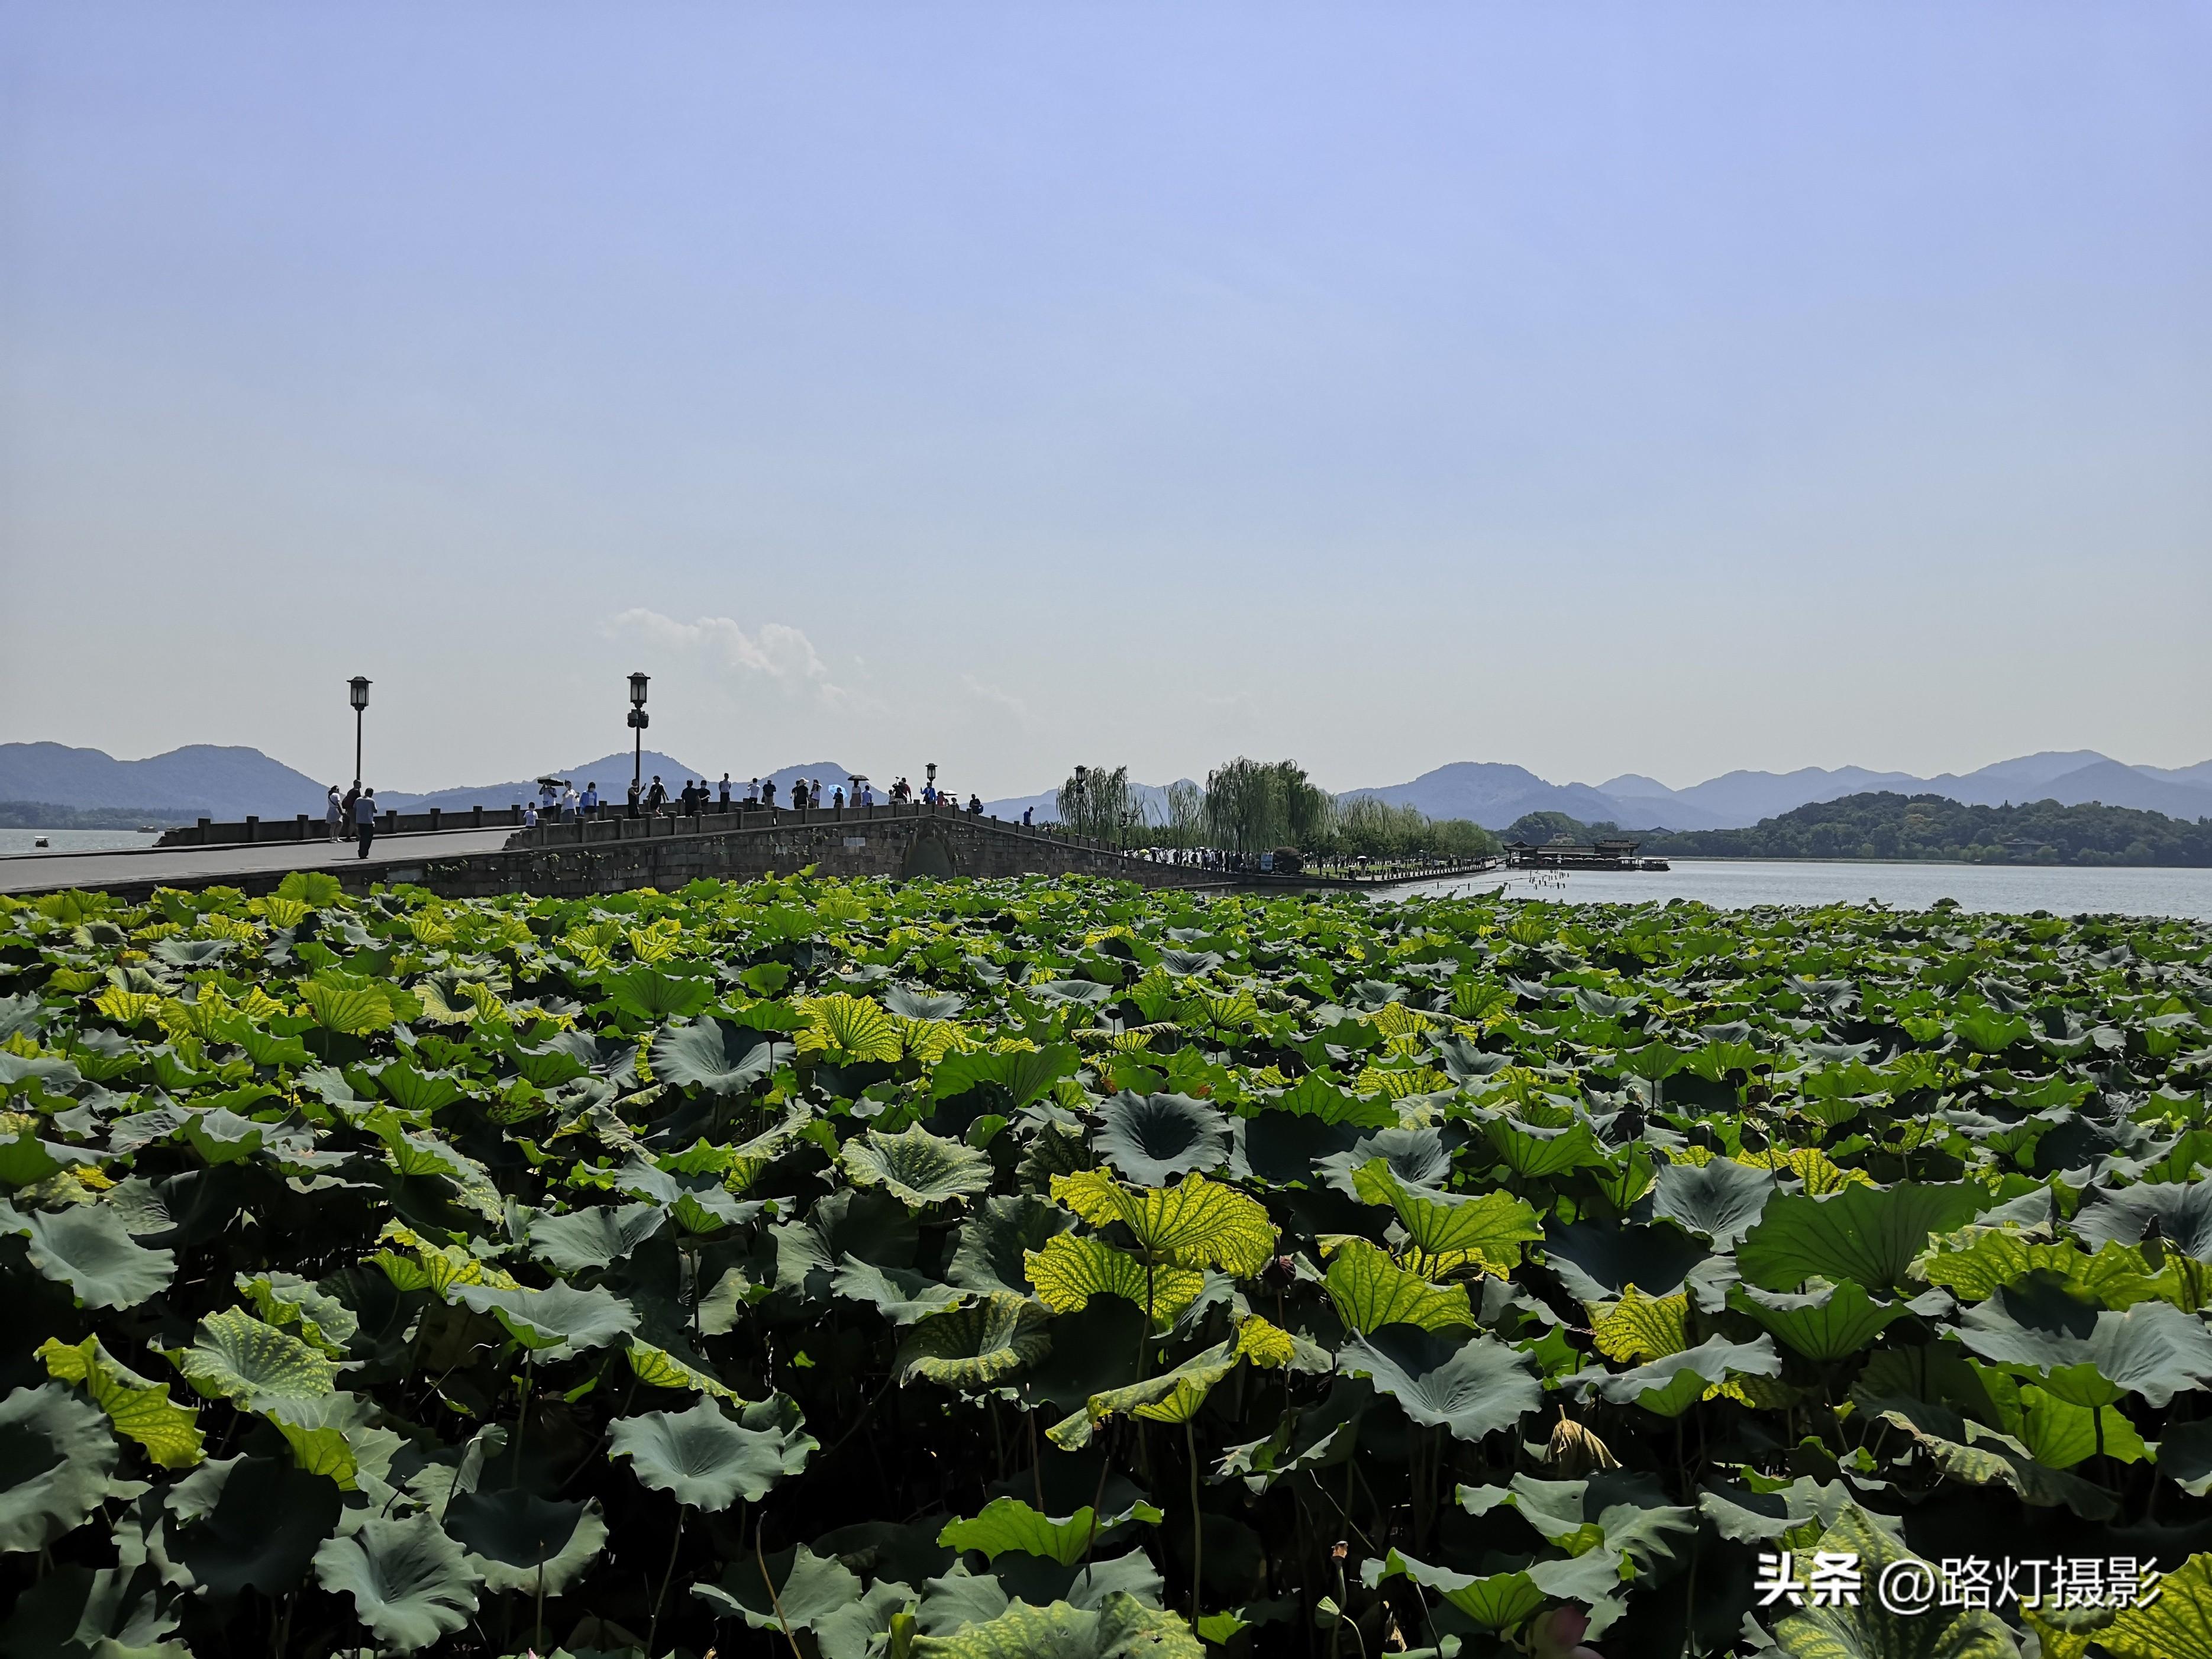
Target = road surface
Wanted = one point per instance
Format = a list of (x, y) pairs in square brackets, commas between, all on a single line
[(42, 871)]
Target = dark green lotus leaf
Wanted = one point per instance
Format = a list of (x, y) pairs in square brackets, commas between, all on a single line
[(908, 1003), (191, 952), (869, 1225), (56, 1454), (1616, 1511), (1121, 1627), (989, 1248), (559, 1322), (648, 993), (1023, 1073), (2085, 1355), (1869, 1234), (23, 1014), (1417, 1157), (707, 1459), (1474, 1385), (1978, 1455), (1597, 1260), (409, 1582), (1721, 1199), (1088, 991), (900, 1294), (798, 1591), (716, 1056), (88, 1248), (1153, 1139), (1825, 1322), (1671, 1384), (1744, 1514), (517, 1540), (975, 1346), (251, 1524), (593, 1238), (1534, 1151), (2184, 1457), (1498, 1600), (2177, 1213)]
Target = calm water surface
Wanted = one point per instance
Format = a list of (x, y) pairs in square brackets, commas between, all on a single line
[(1738, 884), (74, 840)]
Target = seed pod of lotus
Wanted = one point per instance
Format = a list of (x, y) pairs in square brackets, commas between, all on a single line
[(1575, 1452)]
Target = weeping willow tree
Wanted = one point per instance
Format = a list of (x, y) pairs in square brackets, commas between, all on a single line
[(1102, 805), (1185, 814), (1366, 826), (1254, 806)]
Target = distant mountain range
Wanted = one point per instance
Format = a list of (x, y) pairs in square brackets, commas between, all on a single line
[(205, 780), (231, 782)]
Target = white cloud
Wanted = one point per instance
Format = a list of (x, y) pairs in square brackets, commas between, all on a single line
[(983, 692), (775, 650)]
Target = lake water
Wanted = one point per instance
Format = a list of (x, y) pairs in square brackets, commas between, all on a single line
[(1738, 884), (74, 840)]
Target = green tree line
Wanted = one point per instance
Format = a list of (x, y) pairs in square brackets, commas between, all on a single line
[(1252, 806), (1884, 825)]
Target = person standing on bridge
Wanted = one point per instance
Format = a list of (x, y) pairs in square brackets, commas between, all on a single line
[(656, 797), (725, 805), (591, 802), (364, 820), (633, 797), (335, 812)]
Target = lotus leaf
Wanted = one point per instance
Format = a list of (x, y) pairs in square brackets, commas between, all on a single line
[(1152, 1139), (409, 1582), (975, 1346), (706, 1460), (56, 1456), (1473, 1387), (917, 1167), (92, 1252)]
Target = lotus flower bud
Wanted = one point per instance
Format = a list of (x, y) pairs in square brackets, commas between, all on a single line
[(1575, 1452)]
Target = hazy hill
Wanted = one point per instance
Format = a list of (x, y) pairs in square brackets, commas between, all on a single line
[(199, 780), (1888, 825)]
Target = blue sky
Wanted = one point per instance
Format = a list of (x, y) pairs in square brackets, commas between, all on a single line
[(1663, 388)]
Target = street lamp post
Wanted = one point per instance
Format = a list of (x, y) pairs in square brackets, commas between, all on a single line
[(639, 719), (357, 688)]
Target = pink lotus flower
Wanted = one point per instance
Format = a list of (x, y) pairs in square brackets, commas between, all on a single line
[(1559, 1635)]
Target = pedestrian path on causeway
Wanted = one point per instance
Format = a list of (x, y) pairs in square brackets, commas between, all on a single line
[(29, 872)]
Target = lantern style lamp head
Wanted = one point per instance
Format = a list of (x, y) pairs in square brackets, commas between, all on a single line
[(358, 687), (637, 683)]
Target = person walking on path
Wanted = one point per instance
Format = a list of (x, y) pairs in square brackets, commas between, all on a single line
[(364, 820), (656, 797), (974, 805), (346, 805), (837, 798), (335, 812), (1026, 819)]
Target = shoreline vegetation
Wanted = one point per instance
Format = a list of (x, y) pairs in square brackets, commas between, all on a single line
[(1883, 826), (46, 815)]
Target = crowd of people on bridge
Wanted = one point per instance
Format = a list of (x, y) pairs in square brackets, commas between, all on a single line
[(558, 799)]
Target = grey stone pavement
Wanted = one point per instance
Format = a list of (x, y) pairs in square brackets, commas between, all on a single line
[(39, 871)]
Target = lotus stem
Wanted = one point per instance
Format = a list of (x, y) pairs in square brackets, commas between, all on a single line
[(674, 1544)]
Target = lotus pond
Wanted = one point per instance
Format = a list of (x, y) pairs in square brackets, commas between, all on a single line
[(1052, 1267)]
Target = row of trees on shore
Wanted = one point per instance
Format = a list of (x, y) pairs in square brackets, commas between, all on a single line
[(1251, 806)]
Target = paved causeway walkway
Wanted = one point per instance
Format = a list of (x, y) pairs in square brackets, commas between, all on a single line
[(44, 871)]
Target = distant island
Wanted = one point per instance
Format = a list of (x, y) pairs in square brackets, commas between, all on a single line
[(1881, 824)]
